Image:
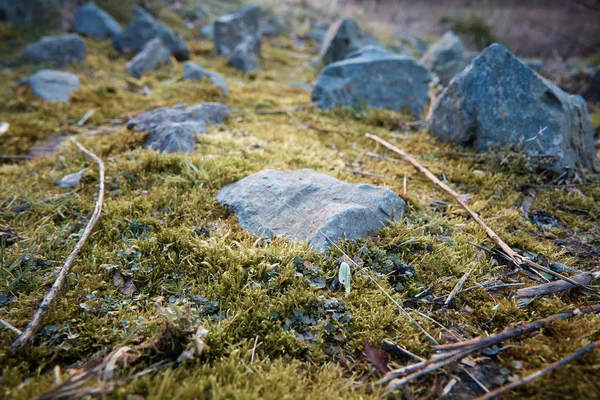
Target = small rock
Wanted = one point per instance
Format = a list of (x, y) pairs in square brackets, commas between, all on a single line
[(244, 58), (208, 31), (233, 29), (375, 79), (592, 91), (174, 129), (93, 21), (446, 57), (195, 72), (497, 100), (318, 31), (58, 50), (271, 24), (53, 85), (152, 55), (342, 38), (71, 180), (338, 209), (145, 28)]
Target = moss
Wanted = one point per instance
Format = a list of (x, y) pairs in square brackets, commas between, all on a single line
[(192, 264)]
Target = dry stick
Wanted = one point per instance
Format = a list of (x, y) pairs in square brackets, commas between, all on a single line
[(35, 322), (457, 288), (515, 257), (503, 389), (556, 286), (10, 327)]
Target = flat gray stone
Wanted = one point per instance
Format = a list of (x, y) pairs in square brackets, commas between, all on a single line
[(174, 129), (337, 209), (244, 58), (195, 72), (57, 50), (498, 100), (93, 21), (342, 38), (145, 28), (395, 82), (153, 55), (446, 57), (234, 29), (53, 85)]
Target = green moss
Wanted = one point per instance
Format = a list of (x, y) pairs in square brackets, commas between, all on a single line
[(192, 264)]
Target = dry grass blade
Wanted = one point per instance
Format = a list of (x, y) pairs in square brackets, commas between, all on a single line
[(518, 259), (457, 288), (562, 362), (36, 321)]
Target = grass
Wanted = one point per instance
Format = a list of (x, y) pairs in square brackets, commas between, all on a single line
[(193, 265)]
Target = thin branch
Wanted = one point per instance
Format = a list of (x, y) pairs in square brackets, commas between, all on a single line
[(562, 362), (457, 288), (518, 259), (59, 283), (10, 327), (532, 292)]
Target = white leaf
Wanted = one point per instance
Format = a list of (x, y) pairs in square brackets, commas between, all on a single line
[(344, 276)]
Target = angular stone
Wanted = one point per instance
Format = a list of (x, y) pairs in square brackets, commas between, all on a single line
[(195, 72), (174, 129), (145, 28), (208, 31), (374, 79), (321, 205), (151, 57), (57, 50), (446, 57), (53, 85), (342, 38), (592, 90), (233, 29), (497, 101), (93, 21), (244, 58), (40, 14)]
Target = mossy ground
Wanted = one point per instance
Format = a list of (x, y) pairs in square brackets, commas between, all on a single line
[(192, 264)]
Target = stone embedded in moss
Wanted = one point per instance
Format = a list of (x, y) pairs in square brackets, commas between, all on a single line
[(58, 50), (342, 38), (93, 21), (307, 206), (233, 29), (151, 57), (53, 85), (192, 71)]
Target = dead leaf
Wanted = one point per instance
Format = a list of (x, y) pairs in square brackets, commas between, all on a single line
[(8, 236), (377, 357), (71, 180), (128, 288), (118, 280)]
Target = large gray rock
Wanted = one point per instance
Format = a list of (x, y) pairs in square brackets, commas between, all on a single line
[(174, 129), (153, 55), (93, 21), (40, 14), (234, 29), (375, 79), (57, 50), (337, 209), (446, 57), (592, 90), (195, 72), (145, 28), (53, 85), (498, 100), (243, 57), (342, 38)]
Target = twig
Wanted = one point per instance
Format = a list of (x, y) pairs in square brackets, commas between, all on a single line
[(254, 350), (364, 173), (518, 259), (564, 361), (532, 292), (13, 157), (36, 321), (458, 286), (86, 117), (10, 327)]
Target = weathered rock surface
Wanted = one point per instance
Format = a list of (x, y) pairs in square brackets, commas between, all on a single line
[(234, 29), (370, 51), (195, 72), (208, 31), (342, 38), (592, 91), (153, 55), (174, 129), (243, 57), (145, 28), (57, 50), (53, 85), (498, 100), (375, 79), (446, 57), (338, 209), (93, 21), (41, 14)]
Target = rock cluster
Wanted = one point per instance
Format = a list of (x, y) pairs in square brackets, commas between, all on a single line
[(151, 57), (446, 57), (239, 36)]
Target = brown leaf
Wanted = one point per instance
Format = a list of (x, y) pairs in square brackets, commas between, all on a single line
[(129, 288), (118, 280), (377, 357)]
